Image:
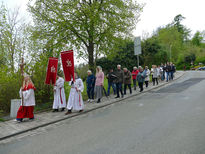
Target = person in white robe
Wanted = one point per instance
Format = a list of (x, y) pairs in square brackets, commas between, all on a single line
[(75, 101), (27, 100), (59, 95)]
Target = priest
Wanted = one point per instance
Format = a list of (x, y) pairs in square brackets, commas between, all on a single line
[(75, 101), (59, 95)]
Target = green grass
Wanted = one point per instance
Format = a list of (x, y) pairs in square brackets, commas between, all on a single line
[(43, 106), (2, 120), (84, 93)]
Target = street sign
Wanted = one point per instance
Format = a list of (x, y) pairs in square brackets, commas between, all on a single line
[(137, 46)]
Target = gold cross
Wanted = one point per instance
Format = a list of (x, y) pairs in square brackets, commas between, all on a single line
[(53, 69), (69, 64)]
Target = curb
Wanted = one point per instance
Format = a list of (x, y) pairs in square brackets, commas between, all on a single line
[(86, 111)]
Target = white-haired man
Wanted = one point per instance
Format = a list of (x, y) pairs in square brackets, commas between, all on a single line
[(119, 81)]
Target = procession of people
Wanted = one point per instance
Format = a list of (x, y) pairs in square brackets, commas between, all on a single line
[(119, 80)]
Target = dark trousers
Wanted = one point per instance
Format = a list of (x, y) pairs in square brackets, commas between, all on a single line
[(172, 75), (135, 83), (140, 86), (155, 79), (147, 83), (90, 92), (163, 76), (125, 88), (113, 87), (168, 76), (119, 89)]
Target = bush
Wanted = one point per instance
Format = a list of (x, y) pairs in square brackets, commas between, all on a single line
[(10, 84)]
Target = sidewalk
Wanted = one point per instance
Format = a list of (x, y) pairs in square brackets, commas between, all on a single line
[(11, 128)]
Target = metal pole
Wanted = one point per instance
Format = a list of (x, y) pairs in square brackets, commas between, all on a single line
[(170, 50), (138, 60)]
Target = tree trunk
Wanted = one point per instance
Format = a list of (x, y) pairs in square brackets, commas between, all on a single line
[(90, 49)]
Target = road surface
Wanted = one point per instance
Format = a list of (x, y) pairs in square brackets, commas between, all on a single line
[(169, 120)]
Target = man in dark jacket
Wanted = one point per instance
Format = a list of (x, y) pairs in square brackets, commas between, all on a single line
[(127, 80), (168, 70), (90, 86), (111, 77), (172, 70), (119, 81)]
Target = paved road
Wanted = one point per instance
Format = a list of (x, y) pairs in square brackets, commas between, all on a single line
[(170, 120)]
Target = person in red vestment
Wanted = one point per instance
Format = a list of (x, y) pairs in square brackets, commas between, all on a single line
[(27, 91)]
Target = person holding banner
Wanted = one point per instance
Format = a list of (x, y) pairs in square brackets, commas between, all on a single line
[(75, 101), (27, 105), (59, 95)]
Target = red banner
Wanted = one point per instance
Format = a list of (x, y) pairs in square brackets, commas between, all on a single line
[(52, 71), (68, 64)]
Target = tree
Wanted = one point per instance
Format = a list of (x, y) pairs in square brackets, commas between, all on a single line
[(181, 28), (171, 40), (197, 39), (190, 58), (11, 34), (91, 26), (153, 52)]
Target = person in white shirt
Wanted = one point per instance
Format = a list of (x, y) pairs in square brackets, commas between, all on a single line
[(27, 100), (59, 101), (75, 101)]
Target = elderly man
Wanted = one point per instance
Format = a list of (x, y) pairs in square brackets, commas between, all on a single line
[(119, 81), (127, 80)]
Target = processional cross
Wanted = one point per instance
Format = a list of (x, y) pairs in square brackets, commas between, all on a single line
[(22, 76)]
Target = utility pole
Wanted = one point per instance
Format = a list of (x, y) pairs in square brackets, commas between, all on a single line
[(170, 52)]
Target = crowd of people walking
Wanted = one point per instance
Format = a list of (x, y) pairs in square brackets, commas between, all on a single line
[(119, 80)]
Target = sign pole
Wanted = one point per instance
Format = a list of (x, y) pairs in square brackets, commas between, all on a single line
[(137, 48)]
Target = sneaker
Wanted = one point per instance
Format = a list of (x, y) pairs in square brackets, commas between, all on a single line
[(92, 100), (19, 120), (88, 101), (81, 111)]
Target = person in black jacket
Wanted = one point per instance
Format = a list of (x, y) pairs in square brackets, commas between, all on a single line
[(90, 86), (111, 77), (119, 81), (168, 71), (172, 70)]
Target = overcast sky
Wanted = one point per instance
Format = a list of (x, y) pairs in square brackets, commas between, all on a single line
[(156, 13)]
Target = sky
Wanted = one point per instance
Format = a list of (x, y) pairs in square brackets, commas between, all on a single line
[(156, 13)]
